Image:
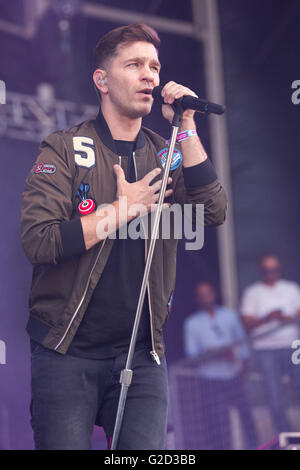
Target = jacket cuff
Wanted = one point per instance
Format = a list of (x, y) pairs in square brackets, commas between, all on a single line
[(199, 175), (72, 238)]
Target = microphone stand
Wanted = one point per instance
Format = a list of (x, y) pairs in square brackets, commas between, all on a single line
[(126, 374)]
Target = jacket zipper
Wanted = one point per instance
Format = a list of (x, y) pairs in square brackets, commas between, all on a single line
[(153, 353), (85, 290), (82, 298)]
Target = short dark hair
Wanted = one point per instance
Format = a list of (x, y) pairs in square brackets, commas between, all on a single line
[(108, 44)]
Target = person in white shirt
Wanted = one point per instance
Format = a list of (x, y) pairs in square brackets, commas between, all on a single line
[(270, 309)]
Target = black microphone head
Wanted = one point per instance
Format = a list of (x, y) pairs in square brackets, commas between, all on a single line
[(156, 93)]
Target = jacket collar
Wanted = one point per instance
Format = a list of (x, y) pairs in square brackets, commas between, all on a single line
[(104, 133)]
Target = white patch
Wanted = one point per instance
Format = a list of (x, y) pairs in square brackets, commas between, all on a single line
[(2, 352), (2, 92), (86, 158)]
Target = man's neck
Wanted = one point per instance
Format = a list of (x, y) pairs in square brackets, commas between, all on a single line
[(211, 310), (271, 283), (121, 127)]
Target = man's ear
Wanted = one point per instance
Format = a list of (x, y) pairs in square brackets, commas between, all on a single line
[(99, 78)]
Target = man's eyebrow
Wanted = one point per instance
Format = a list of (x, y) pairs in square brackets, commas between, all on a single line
[(143, 59)]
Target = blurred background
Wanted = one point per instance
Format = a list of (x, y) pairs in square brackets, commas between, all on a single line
[(241, 54)]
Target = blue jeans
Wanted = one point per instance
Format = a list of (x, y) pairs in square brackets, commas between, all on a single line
[(71, 394)]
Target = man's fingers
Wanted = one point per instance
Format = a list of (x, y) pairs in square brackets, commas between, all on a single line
[(119, 174), (168, 193), (151, 175), (156, 186), (173, 90)]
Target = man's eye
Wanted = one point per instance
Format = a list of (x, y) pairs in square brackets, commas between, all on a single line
[(155, 68), (133, 64)]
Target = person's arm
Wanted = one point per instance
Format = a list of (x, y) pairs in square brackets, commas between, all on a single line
[(47, 205), (295, 306), (197, 182), (192, 149), (248, 309), (250, 322), (100, 224), (194, 349), (193, 152), (239, 335)]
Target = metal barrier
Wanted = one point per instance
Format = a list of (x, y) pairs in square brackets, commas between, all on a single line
[(236, 413)]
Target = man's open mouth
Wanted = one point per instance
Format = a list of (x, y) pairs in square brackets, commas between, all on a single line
[(146, 91)]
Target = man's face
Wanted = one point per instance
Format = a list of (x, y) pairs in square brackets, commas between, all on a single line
[(206, 296), (132, 74), (270, 269)]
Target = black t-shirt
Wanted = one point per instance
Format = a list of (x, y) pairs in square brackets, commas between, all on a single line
[(106, 327)]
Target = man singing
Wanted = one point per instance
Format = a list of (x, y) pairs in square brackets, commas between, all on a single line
[(85, 283)]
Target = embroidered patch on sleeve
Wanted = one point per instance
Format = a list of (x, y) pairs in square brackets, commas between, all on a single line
[(45, 168)]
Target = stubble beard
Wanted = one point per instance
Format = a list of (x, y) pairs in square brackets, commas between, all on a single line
[(130, 111)]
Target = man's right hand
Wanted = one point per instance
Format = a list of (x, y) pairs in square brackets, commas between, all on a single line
[(140, 197), (141, 192)]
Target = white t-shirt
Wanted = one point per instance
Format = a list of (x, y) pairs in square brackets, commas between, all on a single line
[(259, 300)]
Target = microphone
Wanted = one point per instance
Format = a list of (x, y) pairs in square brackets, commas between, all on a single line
[(190, 102)]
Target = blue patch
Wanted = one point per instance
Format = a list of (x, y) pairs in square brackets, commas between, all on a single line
[(83, 191), (176, 159)]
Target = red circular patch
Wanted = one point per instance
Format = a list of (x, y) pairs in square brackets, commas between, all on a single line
[(86, 207)]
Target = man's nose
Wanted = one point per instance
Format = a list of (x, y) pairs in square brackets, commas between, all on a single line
[(147, 74)]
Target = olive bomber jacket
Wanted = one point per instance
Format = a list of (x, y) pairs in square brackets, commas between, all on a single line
[(72, 175)]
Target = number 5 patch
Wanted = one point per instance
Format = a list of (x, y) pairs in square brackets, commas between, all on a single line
[(84, 152)]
